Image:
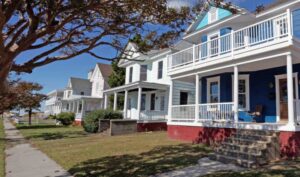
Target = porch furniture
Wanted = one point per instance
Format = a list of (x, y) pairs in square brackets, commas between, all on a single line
[(257, 113)]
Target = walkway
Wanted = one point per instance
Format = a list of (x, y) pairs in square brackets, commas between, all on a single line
[(205, 166), (22, 160)]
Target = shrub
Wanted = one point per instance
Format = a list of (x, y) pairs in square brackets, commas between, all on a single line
[(91, 121), (51, 117), (66, 118)]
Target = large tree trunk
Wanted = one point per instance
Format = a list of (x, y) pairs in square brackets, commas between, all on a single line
[(5, 66), (29, 116)]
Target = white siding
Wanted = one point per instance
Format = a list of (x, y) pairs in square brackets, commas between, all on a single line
[(135, 73), (183, 86)]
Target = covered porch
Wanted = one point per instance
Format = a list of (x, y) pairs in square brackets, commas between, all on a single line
[(258, 94), (142, 101), (81, 106)]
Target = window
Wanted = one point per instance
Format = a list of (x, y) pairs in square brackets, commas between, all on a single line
[(183, 98), (213, 14), (69, 93), (243, 92), (162, 103), (213, 90), (130, 74), (160, 70), (81, 93), (143, 102), (68, 106), (152, 103), (143, 73)]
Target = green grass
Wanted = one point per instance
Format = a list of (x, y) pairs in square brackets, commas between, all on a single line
[(140, 154), (2, 147)]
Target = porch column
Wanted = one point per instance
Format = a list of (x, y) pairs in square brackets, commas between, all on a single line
[(290, 89), (139, 102), (197, 98), (105, 101), (125, 104), (236, 93), (77, 102), (170, 103), (82, 105), (115, 100)]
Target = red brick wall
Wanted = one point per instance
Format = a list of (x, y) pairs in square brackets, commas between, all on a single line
[(155, 126), (205, 135), (289, 144), (77, 123)]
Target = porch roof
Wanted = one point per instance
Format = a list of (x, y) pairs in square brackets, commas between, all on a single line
[(81, 97), (136, 85)]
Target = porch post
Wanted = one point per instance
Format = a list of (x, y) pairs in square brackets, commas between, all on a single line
[(77, 109), (290, 89), (115, 101), (197, 98), (170, 103), (125, 104), (82, 106), (236, 94), (105, 101), (139, 102)]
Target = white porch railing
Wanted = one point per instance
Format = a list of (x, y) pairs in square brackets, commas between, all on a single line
[(297, 110), (257, 34), (183, 113), (216, 112), (152, 115)]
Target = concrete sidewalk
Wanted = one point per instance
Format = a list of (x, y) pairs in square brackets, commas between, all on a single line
[(22, 160)]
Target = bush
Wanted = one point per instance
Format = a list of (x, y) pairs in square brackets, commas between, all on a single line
[(51, 117), (91, 121), (66, 118)]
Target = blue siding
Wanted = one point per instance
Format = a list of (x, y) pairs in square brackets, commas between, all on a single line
[(203, 22), (260, 91), (296, 23), (222, 13)]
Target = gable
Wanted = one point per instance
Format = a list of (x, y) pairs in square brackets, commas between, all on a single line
[(204, 20)]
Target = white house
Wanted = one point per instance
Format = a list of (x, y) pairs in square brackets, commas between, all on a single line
[(146, 88), (82, 96), (240, 72), (53, 103)]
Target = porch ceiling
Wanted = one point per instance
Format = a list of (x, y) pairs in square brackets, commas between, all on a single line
[(133, 86), (248, 67)]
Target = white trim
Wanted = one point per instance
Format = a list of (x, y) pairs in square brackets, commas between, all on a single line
[(209, 80), (246, 78), (277, 78)]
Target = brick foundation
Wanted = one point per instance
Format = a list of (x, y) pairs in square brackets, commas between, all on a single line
[(289, 141), (77, 123), (151, 126)]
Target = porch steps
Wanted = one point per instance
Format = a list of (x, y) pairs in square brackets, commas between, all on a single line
[(248, 148)]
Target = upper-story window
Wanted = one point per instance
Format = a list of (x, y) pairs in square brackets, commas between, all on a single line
[(81, 93), (69, 93), (213, 14), (130, 74), (160, 70), (143, 73)]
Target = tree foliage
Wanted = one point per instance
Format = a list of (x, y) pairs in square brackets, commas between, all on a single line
[(63, 29), (22, 95)]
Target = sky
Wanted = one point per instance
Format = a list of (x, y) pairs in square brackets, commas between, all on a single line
[(56, 75)]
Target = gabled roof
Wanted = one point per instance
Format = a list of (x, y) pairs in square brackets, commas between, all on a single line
[(105, 69), (203, 14), (80, 83)]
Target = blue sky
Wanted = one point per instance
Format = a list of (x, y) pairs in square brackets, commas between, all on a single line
[(56, 75)]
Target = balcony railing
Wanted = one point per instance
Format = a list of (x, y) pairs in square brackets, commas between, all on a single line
[(257, 34), (207, 112)]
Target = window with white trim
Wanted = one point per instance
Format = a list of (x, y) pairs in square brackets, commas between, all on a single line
[(243, 89), (213, 90)]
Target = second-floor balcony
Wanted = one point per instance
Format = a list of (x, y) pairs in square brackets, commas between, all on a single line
[(263, 34)]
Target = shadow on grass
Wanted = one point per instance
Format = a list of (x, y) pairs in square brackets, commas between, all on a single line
[(257, 173), (158, 160), (21, 126), (57, 135)]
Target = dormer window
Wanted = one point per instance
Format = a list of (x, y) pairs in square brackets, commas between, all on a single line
[(213, 14)]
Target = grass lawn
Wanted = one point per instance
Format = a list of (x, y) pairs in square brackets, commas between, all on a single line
[(2, 147), (140, 154)]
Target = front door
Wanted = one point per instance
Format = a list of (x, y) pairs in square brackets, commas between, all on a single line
[(283, 99)]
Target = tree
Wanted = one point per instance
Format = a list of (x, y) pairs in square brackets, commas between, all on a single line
[(259, 8), (23, 95), (63, 29)]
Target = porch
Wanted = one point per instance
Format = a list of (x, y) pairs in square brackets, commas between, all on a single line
[(81, 106), (142, 101), (229, 97)]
